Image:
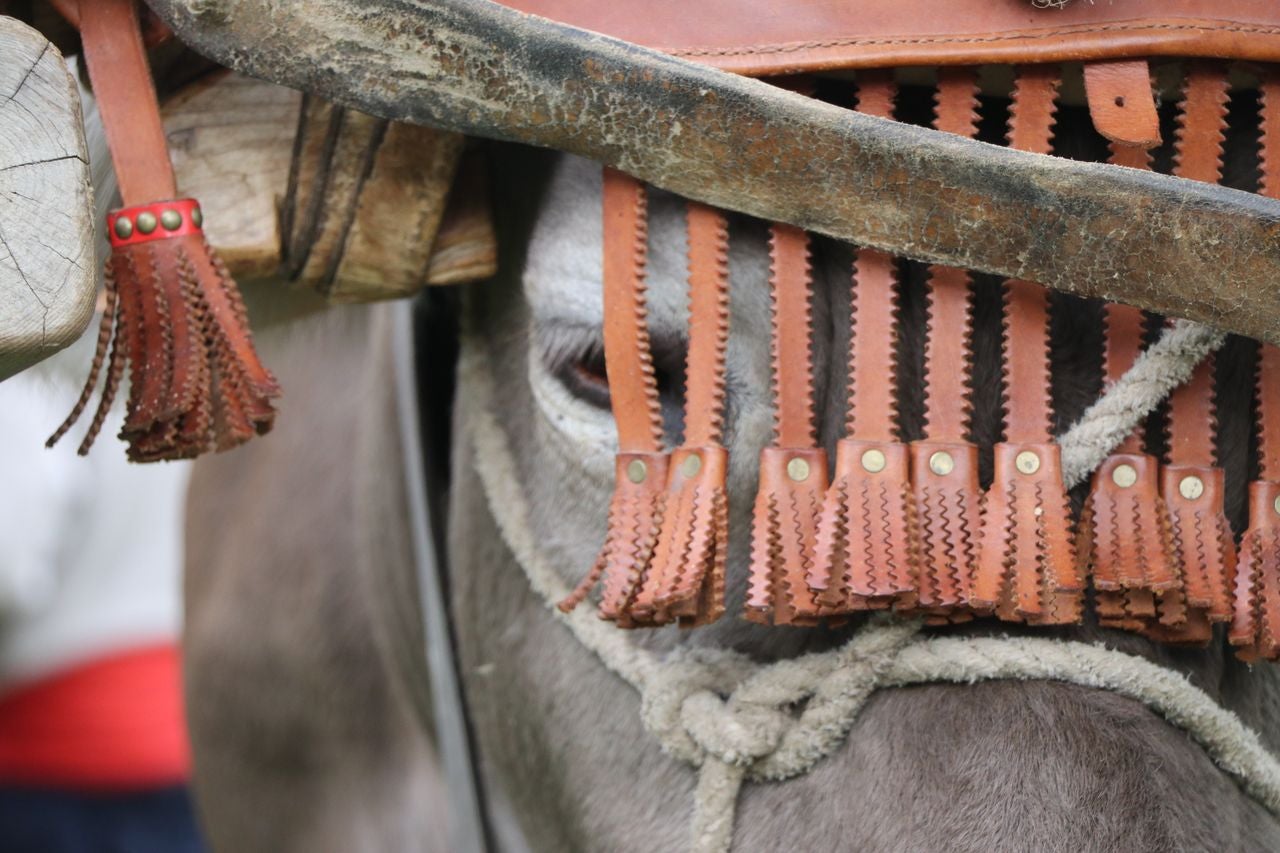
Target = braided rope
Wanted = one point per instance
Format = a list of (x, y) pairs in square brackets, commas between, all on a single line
[(717, 710)]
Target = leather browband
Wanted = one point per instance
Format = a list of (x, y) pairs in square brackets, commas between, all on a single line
[(763, 37)]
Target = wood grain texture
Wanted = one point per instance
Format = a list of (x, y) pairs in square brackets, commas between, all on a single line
[(48, 270), (1173, 246), (231, 141), (297, 190)]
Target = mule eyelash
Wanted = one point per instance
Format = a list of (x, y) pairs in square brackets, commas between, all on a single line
[(576, 361)]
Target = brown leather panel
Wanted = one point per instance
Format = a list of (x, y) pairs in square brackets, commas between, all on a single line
[(708, 325), (633, 389), (762, 37), (1121, 103), (792, 355), (117, 62)]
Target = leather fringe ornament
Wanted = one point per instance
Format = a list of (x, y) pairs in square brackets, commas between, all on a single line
[(793, 472), (687, 578), (635, 511), (944, 465), (1255, 622), (1191, 483), (866, 542), (1026, 558), (174, 316)]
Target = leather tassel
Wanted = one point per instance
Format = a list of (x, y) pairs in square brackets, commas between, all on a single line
[(793, 471), (867, 545), (1191, 483), (1027, 568), (687, 579), (641, 467), (1255, 621), (175, 319), (944, 466)]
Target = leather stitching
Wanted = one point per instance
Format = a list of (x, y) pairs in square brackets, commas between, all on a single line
[(1037, 35)]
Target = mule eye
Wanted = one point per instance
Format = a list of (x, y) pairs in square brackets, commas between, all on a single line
[(585, 377)]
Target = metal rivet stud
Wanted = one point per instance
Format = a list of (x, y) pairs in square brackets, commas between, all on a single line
[(941, 463), (691, 465), (798, 470), (124, 228), (147, 222), (1124, 476), (1277, 505), (197, 217), (637, 471), (1191, 487), (1027, 462), (873, 461), (171, 220)]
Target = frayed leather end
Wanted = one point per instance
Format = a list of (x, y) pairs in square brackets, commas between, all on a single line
[(175, 319), (686, 581), (784, 527), (1255, 622), (867, 546), (948, 499), (1026, 566), (635, 517), (1202, 536)]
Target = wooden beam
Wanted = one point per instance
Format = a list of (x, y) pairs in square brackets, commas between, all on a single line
[(48, 270), (1173, 246)]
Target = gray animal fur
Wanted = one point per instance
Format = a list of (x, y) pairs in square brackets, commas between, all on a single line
[(306, 688)]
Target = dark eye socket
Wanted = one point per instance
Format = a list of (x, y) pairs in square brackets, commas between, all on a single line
[(584, 375)]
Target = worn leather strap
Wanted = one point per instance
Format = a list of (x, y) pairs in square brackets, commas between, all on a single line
[(947, 353), (1121, 103), (708, 231), (1202, 124), (792, 338), (633, 390), (126, 96)]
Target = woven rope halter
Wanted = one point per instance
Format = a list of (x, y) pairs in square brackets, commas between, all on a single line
[(718, 711)]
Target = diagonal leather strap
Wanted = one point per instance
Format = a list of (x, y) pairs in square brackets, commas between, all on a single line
[(122, 85), (1120, 102)]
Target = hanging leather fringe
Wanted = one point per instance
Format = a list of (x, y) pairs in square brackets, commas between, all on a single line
[(944, 465), (1255, 621), (635, 510), (793, 472), (1191, 483), (174, 316), (687, 579), (1026, 557)]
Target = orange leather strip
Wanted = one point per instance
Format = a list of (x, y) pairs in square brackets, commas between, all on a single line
[(632, 387), (126, 99), (1121, 103), (1202, 124), (792, 355), (873, 404), (1122, 343), (1269, 359), (947, 355), (760, 37), (708, 325)]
